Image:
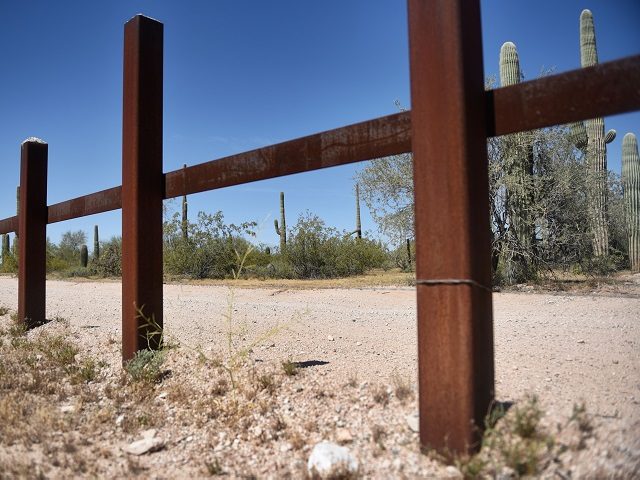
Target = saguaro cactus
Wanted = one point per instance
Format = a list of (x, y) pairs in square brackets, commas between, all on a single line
[(281, 229), (631, 186), (185, 217), (17, 207), (596, 152), (518, 165), (84, 256), (5, 247), (96, 243), (358, 224)]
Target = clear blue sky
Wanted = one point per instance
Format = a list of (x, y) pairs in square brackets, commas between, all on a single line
[(243, 74)]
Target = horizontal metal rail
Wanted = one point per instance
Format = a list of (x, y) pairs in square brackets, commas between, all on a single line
[(605, 89)]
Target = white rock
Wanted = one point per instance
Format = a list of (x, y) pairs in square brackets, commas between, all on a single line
[(119, 420), (453, 472), (328, 460), (330, 338), (67, 409), (413, 421), (144, 445)]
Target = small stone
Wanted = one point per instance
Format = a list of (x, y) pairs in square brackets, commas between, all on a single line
[(507, 473), (119, 420), (330, 338), (328, 460), (343, 436), (413, 421), (162, 396), (358, 344), (144, 445), (67, 409), (285, 447), (453, 472), (581, 341)]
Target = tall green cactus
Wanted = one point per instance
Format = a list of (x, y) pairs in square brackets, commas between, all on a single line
[(596, 152), (5, 247), (185, 217), (17, 209), (84, 256), (518, 166), (96, 244), (631, 185), (281, 230), (358, 224)]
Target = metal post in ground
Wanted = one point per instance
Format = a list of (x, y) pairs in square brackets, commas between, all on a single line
[(142, 186), (453, 261), (32, 232)]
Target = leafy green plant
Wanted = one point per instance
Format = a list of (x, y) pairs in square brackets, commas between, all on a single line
[(146, 366), (289, 368)]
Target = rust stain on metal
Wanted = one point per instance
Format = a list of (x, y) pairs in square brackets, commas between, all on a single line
[(32, 233), (98, 202), (362, 141), (142, 186), (605, 89), (9, 225), (455, 338)]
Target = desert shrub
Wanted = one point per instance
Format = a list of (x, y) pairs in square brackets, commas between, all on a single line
[(317, 251), (211, 249), (110, 262)]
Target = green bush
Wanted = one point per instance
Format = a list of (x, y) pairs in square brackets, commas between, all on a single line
[(211, 250), (110, 262), (317, 251)]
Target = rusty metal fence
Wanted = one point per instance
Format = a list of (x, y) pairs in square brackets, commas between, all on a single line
[(455, 326)]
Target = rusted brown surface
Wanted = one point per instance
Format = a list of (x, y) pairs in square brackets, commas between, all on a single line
[(362, 141), (32, 229), (453, 269), (142, 186), (99, 202), (8, 225), (606, 89)]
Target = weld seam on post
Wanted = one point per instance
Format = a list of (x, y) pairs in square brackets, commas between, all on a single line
[(453, 281)]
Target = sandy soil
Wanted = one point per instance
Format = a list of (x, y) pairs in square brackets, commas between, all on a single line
[(563, 347)]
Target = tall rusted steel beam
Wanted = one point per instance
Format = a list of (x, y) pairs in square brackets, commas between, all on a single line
[(142, 186), (453, 269), (32, 231)]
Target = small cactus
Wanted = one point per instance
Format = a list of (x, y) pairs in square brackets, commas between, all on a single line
[(185, 218), (281, 229), (96, 244), (631, 186), (84, 256)]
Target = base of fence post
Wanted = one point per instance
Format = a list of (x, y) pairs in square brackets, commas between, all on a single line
[(32, 232), (142, 187)]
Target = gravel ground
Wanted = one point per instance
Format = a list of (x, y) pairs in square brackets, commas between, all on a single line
[(565, 348)]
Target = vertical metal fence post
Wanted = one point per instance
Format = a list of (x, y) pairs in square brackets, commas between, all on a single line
[(142, 186), (453, 269), (32, 232)]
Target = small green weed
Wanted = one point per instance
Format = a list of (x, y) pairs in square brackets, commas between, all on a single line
[(146, 366), (290, 368)]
